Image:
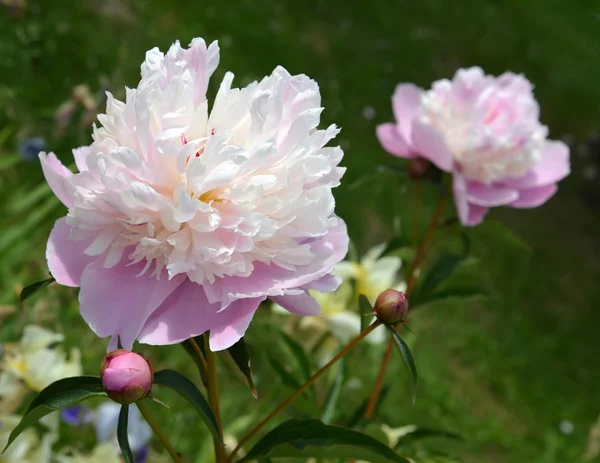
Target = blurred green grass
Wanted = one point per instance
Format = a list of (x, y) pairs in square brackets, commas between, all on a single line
[(504, 372)]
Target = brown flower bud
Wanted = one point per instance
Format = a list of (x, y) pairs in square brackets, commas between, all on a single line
[(391, 307)]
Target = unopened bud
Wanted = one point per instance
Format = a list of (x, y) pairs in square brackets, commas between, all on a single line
[(126, 376), (391, 307), (418, 167)]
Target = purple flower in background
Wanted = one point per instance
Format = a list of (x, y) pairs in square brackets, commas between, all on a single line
[(30, 147), (77, 415)]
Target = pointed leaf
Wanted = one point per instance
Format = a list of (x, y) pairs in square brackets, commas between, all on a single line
[(419, 433), (357, 418), (33, 288), (239, 354), (122, 436), (314, 439), (437, 273), (299, 354), (188, 390), (407, 357), (365, 310), (58, 395), (334, 393), (286, 377)]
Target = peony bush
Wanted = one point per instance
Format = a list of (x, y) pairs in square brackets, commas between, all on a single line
[(186, 216)]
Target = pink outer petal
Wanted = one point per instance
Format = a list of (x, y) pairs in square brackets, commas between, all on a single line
[(405, 103), (476, 214), (429, 144), (534, 197), (490, 195), (187, 313), (58, 177), (65, 257), (553, 166), (116, 302), (301, 304), (391, 141), (459, 186), (271, 280), (326, 284), (236, 320)]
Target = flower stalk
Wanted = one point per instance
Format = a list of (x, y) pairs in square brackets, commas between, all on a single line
[(376, 392), (158, 431), (212, 389), (302, 388)]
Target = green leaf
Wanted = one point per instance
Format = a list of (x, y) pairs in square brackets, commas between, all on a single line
[(33, 288), (357, 420), (407, 357), (366, 309), (9, 160), (422, 433), (299, 354), (437, 273), (314, 439), (188, 390), (239, 354), (334, 393), (122, 436), (286, 377), (58, 395)]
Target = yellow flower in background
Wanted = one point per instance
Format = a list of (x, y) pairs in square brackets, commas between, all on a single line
[(29, 447), (34, 363), (102, 453), (370, 276)]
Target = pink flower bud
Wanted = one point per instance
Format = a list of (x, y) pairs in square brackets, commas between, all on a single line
[(126, 376), (391, 307)]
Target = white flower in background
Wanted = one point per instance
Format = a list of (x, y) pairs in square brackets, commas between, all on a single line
[(36, 362), (371, 276), (29, 447), (106, 421)]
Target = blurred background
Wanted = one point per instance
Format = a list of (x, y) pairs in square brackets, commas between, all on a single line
[(516, 374)]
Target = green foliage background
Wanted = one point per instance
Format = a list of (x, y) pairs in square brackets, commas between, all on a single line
[(503, 372)]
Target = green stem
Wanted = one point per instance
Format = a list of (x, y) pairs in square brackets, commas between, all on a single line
[(159, 432), (412, 278), (302, 388), (212, 388)]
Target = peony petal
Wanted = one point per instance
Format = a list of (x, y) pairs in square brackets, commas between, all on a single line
[(117, 302), (271, 280), (57, 176), (187, 313), (326, 284), (233, 323), (430, 144), (66, 258), (534, 197), (553, 166), (459, 186), (476, 214), (406, 103), (490, 195), (391, 140), (300, 304)]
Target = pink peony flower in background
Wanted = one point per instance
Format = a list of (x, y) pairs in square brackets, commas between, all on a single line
[(183, 220), (484, 130), (126, 376)]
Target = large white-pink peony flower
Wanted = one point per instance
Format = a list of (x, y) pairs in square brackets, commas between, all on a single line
[(184, 219), (486, 131)]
